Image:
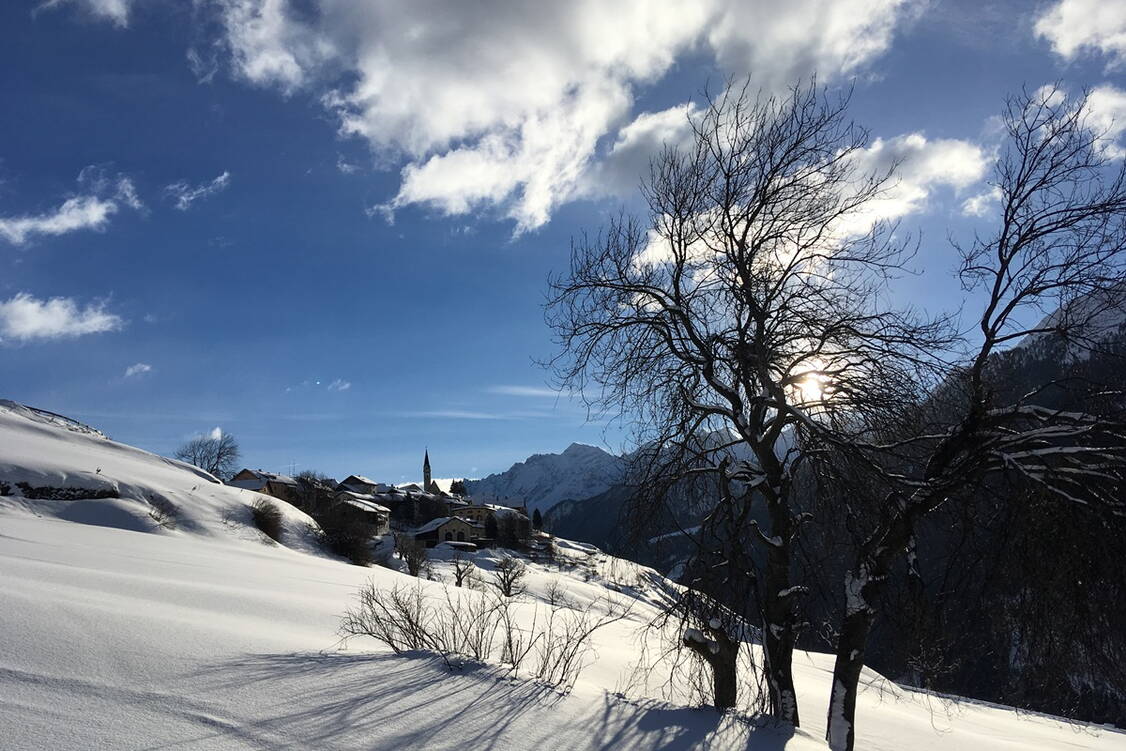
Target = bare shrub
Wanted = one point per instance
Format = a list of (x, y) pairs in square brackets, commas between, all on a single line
[(268, 518), (481, 627), (557, 595), (508, 576), (163, 511)]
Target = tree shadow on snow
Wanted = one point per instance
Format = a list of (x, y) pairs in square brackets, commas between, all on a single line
[(328, 700)]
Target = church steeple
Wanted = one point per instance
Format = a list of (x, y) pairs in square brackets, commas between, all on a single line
[(426, 471)]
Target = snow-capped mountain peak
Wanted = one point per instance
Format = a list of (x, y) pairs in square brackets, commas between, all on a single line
[(543, 480)]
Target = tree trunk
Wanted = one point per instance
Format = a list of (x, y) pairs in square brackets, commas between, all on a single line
[(779, 633), (721, 654), (846, 679), (863, 585)]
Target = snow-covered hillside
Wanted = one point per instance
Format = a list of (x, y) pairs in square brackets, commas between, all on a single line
[(124, 634), (543, 480), (53, 466)]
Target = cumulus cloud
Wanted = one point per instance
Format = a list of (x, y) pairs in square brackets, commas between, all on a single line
[(505, 105), (100, 198), (1076, 27), (1107, 107), (515, 107), (138, 369), (184, 195), (216, 433), (114, 11), (924, 165), (981, 204), (24, 318)]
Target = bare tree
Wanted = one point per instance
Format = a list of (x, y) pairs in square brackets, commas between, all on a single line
[(508, 576), (216, 455), (1058, 245), (746, 310), (464, 571)]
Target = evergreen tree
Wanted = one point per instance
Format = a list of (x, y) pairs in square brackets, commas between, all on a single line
[(537, 519)]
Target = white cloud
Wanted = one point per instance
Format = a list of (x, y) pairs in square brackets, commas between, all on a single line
[(503, 104), (1075, 27), (184, 195), (92, 210), (138, 369), (25, 318), (924, 165), (216, 433), (339, 385), (531, 391), (1107, 107), (980, 205), (114, 11)]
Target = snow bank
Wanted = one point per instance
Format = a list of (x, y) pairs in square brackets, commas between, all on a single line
[(53, 466)]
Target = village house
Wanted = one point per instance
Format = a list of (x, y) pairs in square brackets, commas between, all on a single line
[(279, 486), (358, 507), (449, 529)]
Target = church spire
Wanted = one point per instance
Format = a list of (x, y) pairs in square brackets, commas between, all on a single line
[(426, 471)]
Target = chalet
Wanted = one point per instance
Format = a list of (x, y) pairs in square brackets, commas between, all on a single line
[(449, 529), (362, 485), (362, 508), (270, 483)]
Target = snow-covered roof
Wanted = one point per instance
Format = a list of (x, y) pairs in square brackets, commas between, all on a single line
[(369, 506), (432, 525), (262, 476), (497, 509)]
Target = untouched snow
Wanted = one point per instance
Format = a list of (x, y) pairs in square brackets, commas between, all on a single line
[(126, 635), (150, 493), (544, 480)]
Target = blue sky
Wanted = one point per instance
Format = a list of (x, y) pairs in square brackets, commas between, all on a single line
[(326, 226)]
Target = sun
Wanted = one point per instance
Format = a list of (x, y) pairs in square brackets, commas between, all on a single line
[(812, 385)]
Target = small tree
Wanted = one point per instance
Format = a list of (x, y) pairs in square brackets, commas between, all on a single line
[(413, 553), (491, 530), (457, 487), (216, 455), (464, 571), (508, 576), (537, 519)]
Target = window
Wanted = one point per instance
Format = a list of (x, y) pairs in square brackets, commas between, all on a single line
[(449, 536), (461, 537)]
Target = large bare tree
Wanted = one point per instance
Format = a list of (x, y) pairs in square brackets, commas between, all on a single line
[(746, 311), (1058, 244)]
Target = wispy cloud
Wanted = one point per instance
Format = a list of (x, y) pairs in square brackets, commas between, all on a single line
[(25, 318), (529, 391), (138, 369), (114, 11), (101, 198), (339, 385), (184, 195)]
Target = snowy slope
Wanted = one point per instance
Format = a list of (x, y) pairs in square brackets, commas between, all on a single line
[(122, 636), (80, 475), (543, 480)]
